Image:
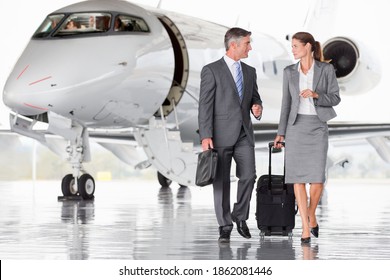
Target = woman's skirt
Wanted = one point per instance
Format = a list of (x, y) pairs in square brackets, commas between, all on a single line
[(306, 150)]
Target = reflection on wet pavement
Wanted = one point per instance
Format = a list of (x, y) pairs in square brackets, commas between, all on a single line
[(138, 220)]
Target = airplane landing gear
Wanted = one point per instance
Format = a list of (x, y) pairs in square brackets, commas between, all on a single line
[(76, 185), (68, 186), (85, 186), (164, 181)]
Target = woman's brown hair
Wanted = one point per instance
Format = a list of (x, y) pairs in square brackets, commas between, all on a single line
[(305, 37)]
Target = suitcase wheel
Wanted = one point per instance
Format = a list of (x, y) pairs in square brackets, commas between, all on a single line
[(265, 233)]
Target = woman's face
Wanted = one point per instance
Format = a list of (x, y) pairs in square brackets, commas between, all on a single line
[(299, 49)]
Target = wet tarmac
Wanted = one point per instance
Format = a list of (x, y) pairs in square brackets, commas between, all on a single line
[(138, 220)]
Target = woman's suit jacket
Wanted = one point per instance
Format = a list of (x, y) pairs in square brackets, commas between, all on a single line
[(221, 115), (324, 84)]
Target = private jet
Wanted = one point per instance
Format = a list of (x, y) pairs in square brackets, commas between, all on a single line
[(128, 78)]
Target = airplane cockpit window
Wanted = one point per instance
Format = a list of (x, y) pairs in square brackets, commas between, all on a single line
[(48, 25), (130, 24), (87, 23), (84, 23)]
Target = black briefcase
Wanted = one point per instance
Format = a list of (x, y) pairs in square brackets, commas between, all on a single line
[(206, 168), (275, 203)]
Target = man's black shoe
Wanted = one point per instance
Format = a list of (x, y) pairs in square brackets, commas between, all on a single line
[(243, 229), (224, 235)]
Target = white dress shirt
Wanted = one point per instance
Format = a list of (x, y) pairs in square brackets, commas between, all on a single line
[(230, 63), (306, 105)]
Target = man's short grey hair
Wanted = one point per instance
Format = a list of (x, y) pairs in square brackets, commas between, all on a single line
[(235, 34)]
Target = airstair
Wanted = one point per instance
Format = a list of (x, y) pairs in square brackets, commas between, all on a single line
[(167, 153)]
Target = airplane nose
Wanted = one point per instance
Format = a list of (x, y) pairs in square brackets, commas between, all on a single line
[(21, 88), (18, 102)]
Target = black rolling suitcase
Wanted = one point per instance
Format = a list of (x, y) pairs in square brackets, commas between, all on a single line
[(275, 203)]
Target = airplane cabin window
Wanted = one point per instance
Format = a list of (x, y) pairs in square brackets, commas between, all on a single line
[(125, 23), (49, 24)]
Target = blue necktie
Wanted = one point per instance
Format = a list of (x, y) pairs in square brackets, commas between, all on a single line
[(238, 79)]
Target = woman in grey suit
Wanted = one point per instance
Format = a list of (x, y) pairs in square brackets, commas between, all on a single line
[(228, 94), (310, 90)]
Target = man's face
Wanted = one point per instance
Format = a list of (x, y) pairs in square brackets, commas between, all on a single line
[(243, 47)]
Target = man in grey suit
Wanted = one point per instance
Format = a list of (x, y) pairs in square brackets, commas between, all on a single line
[(228, 93)]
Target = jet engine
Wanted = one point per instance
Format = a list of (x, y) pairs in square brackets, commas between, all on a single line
[(357, 71)]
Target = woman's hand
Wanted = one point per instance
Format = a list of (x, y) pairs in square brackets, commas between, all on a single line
[(306, 93), (278, 141)]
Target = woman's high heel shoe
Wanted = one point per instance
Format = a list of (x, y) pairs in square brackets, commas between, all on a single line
[(305, 240), (315, 231)]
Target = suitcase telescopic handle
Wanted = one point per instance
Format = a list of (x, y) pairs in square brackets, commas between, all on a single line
[(270, 146)]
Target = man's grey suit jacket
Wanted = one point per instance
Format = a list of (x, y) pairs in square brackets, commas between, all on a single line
[(324, 84), (221, 115)]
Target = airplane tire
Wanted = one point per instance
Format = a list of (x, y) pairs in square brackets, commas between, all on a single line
[(68, 186), (164, 181), (86, 186)]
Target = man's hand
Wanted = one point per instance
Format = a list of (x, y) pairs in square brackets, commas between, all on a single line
[(207, 143), (257, 110)]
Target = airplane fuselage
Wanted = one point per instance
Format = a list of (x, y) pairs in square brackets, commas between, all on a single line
[(116, 79)]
